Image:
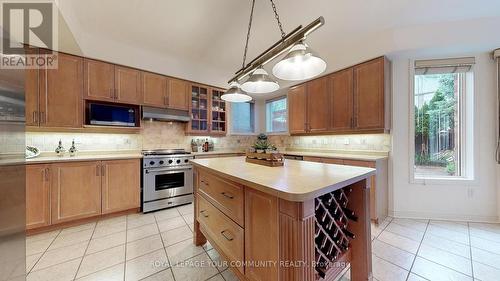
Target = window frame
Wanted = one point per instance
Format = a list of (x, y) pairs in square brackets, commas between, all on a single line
[(253, 116), (468, 136), (285, 132)]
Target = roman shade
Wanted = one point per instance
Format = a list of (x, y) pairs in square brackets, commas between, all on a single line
[(440, 66)]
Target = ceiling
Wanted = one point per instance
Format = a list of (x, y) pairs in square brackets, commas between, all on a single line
[(203, 40)]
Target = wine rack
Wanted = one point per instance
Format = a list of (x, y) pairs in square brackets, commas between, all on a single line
[(332, 235)]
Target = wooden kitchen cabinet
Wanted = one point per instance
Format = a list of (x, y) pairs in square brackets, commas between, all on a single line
[(99, 80), (353, 100), (75, 190), (342, 118), (178, 94), (120, 181), (61, 93), (37, 196), (318, 107), (369, 95), (261, 234), (297, 113), (31, 93), (208, 111), (127, 85), (154, 89)]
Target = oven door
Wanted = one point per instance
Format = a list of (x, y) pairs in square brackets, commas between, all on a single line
[(167, 183)]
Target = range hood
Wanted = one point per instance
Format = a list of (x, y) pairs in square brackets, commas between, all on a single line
[(163, 114)]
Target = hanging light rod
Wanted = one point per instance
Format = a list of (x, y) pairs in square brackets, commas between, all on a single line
[(298, 34)]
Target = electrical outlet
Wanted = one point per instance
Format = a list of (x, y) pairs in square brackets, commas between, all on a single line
[(346, 141)]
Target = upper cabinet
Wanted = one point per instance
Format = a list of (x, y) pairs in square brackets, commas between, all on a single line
[(54, 96), (369, 94), (154, 89), (178, 94), (99, 80), (297, 112), (342, 117), (109, 82), (127, 85), (318, 108), (353, 100), (208, 111)]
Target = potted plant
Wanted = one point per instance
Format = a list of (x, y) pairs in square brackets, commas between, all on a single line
[(262, 145)]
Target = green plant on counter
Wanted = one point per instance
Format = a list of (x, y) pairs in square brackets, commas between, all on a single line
[(262, 144)]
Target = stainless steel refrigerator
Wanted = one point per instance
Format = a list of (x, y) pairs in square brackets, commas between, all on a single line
[(12, 175)]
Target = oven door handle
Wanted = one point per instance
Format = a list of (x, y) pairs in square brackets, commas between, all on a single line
[(167, 171)]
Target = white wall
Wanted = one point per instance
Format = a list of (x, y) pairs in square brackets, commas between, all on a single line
[(469, 201)]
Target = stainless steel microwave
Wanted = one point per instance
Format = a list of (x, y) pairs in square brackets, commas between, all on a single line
[(112, 115)]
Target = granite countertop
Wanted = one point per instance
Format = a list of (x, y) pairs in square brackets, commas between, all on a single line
[(84, 156), (295, 181)]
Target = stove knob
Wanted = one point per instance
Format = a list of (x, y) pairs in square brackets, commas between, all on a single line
[(152, 163), (170, 161), (161, 162), (178, 161), (186, 160)]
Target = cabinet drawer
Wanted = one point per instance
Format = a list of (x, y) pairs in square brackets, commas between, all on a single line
[(225, 195), (226, 234)]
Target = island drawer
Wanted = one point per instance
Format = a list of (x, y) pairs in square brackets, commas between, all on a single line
[(228, 197), (226, 234)]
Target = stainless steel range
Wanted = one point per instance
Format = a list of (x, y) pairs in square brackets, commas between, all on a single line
[(167, 179)]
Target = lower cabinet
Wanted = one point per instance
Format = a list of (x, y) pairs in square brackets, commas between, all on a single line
[(120, 185), (37, 196), (75, 191), (378, 183), (64, 192)]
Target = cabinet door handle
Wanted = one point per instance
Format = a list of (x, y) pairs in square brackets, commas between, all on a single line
[(229, 238), (111, 94), (165, 102), (228, 195), (116, 93), (97, 170), (103, 170), (203, 213), (42, 117), (47, 174), (205, 183), (35, 116)]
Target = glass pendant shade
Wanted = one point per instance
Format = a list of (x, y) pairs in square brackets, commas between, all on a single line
[(235, 94), (299, 64), (260, 82)]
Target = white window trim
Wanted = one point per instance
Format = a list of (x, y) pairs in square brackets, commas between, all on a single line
[(470, 154), (279, 133)]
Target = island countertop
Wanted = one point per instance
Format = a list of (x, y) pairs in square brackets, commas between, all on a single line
[(295, 181)]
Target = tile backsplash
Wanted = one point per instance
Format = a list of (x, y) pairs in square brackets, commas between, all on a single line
[(156, 135)]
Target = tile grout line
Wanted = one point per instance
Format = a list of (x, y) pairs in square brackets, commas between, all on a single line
[(470, 249), (165, 247), (416, 254), (126, 243), (88, 244), (43, 253)]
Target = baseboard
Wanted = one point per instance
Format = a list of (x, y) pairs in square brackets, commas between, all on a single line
[(438, 216)]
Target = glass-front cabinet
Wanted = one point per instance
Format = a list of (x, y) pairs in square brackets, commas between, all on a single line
[(207, 110)]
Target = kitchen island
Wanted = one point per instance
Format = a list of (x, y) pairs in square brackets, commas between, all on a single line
[(303, 221)]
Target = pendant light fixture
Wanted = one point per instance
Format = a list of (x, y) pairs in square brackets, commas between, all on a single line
[(260, 82), (235, 94), (300, 62)]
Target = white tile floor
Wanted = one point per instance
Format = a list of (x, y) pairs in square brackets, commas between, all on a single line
[(158, 246)]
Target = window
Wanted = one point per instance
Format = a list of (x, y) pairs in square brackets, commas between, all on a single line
[(276, 113), (243, 117), (442, 105)]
